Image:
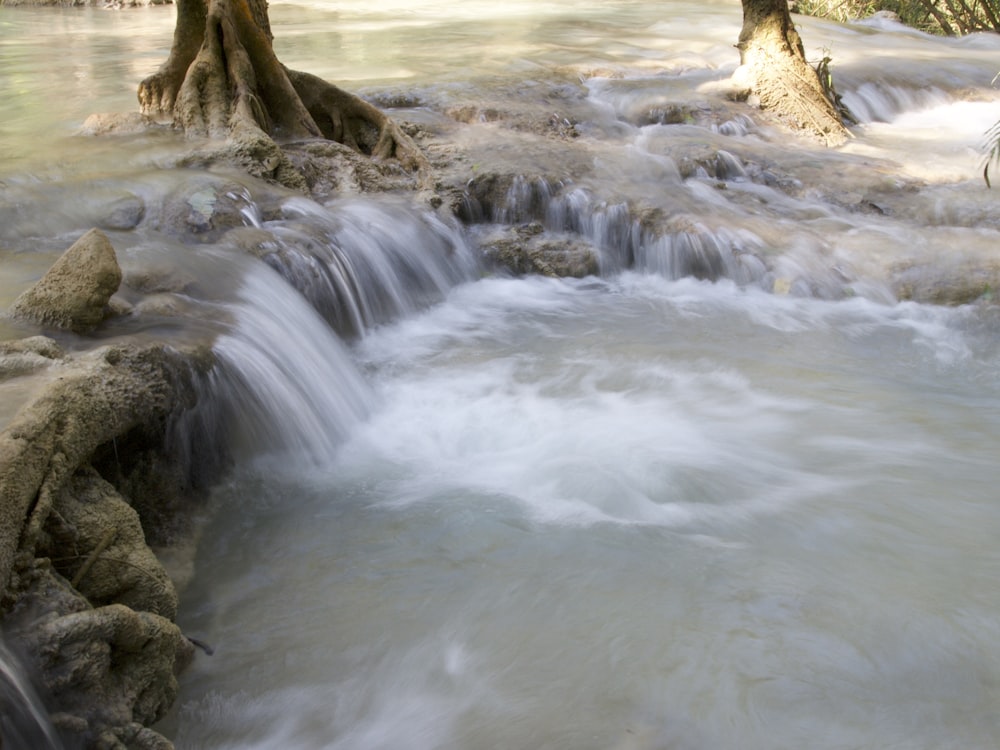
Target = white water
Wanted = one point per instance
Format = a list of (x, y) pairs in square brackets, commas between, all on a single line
[(581, 516), (640, 511), (24, 722)]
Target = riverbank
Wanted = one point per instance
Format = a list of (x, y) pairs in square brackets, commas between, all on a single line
[(92, 472)]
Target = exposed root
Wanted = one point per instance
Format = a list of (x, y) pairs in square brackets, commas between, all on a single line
[(790, 90), (349, 119), (158, 92), (223, 80)]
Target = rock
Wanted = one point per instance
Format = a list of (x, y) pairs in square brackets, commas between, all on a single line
[(125, 213), (107, 670), (23, 356), (74, 292), (99, 637), (166, 305), (41, 346), (129, 123), (529, 249), (250, 150), (506, 198), (886, 15), (939, 284), (329, 168), (89, 512), (156, 279), (110, 398), (205, 207), (120, 307)]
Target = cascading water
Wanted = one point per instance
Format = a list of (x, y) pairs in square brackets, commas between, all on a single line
[(284, 382), (730, 493), (364, 262), (24, 721)]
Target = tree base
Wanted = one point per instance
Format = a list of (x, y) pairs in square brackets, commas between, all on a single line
[(222, 80), (775, 75)]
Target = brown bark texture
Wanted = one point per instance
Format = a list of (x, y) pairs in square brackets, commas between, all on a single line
[(773, 69), (223, 80)]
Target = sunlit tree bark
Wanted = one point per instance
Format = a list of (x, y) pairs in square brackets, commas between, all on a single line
[(773, 70)]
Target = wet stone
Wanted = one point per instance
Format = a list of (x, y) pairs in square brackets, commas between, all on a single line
[(74, 292), (125, 213)]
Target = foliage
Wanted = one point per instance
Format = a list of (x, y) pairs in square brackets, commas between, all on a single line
[(949, 17), (993, 154)]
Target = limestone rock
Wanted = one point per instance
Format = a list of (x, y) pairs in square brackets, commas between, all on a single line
[(103, 398), (22, 356), (105, 652), (128, 123), (88, 512), (74, 292), (108, 670), (124, 213), (529, 249), (207, 206)]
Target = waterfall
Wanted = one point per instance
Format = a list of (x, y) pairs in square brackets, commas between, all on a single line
[(24, 722), (735, 489), (365, 262), (628, 238), (284, 382)]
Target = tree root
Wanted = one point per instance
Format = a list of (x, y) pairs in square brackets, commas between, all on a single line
[(222, 80), (350, 120)]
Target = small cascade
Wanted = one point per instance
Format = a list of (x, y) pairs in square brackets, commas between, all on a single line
[(362, 263), (611, 227), (507, 199), (877, 101), (729, 167), (525, 200), (703, 254), (24, 722), (673, 246), (737, 127), (284, 383)]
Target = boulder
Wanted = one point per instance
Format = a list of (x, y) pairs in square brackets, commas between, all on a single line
[(111, 562), (108, 397), (107, 670), (74, 293), (529, 249), (81, 594)]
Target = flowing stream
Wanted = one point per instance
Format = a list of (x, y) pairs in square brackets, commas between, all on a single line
[(729, 493)]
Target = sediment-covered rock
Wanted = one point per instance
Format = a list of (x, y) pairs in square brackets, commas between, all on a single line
[(109, 671), (23, 356), (81, 593), (74, 293), (528, 249), (111, 562)]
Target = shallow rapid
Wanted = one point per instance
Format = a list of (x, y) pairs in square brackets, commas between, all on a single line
[(733, 492)]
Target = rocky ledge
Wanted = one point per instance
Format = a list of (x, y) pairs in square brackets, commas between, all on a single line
[(88, 474)]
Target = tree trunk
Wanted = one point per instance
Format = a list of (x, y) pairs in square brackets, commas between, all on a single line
[(223, 80), (773, 70)]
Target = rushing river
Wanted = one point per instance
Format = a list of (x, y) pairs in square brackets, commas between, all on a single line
[(640, 510)]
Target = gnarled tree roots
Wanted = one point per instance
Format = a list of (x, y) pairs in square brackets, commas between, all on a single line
[(223, 80)]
